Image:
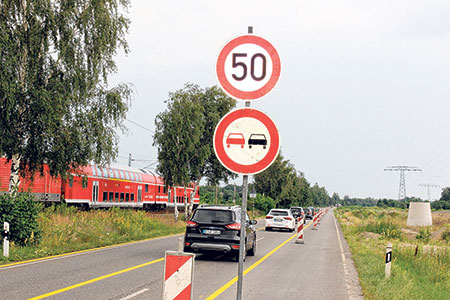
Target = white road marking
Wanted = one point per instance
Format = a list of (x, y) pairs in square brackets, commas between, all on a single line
[(134, 294), (259, 239), (344, 264), (87, 252)]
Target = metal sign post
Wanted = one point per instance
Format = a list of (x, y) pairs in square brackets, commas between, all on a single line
[(246, 141)]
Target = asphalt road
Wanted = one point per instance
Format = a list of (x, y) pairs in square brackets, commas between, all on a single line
[(320, 268)]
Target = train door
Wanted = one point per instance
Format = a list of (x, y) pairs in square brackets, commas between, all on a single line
[(139, 198), (94, 192)]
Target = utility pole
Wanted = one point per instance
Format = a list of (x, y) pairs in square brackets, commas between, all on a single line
[(428, 186), (402, 169)]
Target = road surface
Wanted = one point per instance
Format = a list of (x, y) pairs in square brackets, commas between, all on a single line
[(321, 268)]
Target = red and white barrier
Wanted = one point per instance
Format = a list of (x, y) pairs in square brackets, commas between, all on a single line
[(316, 216), (178, 275), (299, 239)]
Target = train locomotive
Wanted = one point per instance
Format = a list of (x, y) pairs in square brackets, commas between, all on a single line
[(102, 187)]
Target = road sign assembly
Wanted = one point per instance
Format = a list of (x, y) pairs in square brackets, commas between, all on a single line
[(178, 275), (246, 141), (248, 67)]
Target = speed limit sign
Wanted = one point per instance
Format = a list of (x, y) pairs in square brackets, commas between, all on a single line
[(248, 67)]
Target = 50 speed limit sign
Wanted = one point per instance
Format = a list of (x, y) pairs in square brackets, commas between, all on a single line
[(248, 67)]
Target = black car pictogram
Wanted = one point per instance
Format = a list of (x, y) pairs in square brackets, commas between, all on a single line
[(257, 139)]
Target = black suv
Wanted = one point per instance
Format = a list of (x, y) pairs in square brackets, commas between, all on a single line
[(216, 228), (297, 212)]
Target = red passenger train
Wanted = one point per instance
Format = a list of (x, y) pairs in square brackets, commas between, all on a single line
[(113, 186)]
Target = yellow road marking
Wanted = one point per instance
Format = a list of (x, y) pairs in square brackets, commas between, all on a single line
[(95, 279), (232, 281), (84, 251)]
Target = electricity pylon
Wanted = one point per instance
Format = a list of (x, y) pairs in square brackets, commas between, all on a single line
[(402, 169), (428, 186)]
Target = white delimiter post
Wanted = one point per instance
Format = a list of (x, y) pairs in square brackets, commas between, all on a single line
[(388, 260), (6, 239)]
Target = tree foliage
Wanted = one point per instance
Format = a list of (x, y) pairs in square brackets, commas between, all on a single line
[(184, 134), (282, 183), (444, 202), (55, 103)]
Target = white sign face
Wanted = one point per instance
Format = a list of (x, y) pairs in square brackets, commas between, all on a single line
[(246, 141), (248, 67)]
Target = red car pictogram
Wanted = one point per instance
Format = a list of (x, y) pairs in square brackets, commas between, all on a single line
[(235, 139)]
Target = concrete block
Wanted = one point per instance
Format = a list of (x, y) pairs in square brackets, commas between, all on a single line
[(419, 214)]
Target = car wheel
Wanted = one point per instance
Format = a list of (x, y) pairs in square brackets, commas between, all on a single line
[(252, 251)]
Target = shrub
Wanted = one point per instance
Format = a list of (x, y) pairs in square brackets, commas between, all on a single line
[(424, 234), (21, 210), (446, 236)]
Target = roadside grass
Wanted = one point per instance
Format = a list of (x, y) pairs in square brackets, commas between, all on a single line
[(425, 275), (67, 229)]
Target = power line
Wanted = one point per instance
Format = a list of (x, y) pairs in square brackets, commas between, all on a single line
[(139, 125), (428, 186)]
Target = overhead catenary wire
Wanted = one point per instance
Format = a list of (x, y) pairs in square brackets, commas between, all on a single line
[(139, 125)]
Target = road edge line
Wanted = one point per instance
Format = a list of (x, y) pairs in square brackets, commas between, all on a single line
[(53, 257)]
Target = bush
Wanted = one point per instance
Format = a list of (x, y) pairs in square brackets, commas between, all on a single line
[(424, 234), (446, 236), (20, 211), (264, 203)]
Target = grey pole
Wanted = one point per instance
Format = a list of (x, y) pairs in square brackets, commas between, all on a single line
[(242, 236)]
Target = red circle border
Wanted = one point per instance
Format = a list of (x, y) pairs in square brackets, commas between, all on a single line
[(220, 67), (233, 166)]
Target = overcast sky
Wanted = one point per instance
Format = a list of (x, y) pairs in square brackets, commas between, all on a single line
[(364, 84)]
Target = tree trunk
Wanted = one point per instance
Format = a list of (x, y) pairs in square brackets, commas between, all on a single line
[(14, 179), (186, 204), (175, 212), (215, 201)]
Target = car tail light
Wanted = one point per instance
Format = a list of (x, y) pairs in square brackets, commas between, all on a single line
[(235, 246), (269, 217), (191, 224), (187, 244), (234, 226), (287, 218)]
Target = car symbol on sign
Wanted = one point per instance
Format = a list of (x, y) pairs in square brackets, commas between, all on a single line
[(235, 139), (257, 139)]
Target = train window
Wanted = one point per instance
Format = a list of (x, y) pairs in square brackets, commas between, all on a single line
[(121, 197), (132, 176), (132, 197), (140, 177), (116, 199), (94, 171), (159, 189), (122, 176), (105, 172), (111, 196), (99, 171), (70, 181), (146, 188), (105, 196), (165, 190), (127, 197)]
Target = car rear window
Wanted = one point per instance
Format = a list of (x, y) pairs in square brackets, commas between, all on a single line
[(279, 213), (213, 216), (295, 210)]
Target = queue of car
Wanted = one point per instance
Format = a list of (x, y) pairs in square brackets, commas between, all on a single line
[(216, 228)]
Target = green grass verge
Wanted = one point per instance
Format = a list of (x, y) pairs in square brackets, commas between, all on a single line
[(67, 229), (422, 276)]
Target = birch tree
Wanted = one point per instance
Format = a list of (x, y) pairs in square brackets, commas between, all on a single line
[(184, 134), (56, 107)]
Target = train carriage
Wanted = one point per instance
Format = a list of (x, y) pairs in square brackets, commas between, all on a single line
[(102, 187)]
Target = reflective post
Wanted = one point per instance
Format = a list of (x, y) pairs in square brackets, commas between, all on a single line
[(6, 239)]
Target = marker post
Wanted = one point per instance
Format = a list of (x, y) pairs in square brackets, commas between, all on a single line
[(387, 269), (6, 239)]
